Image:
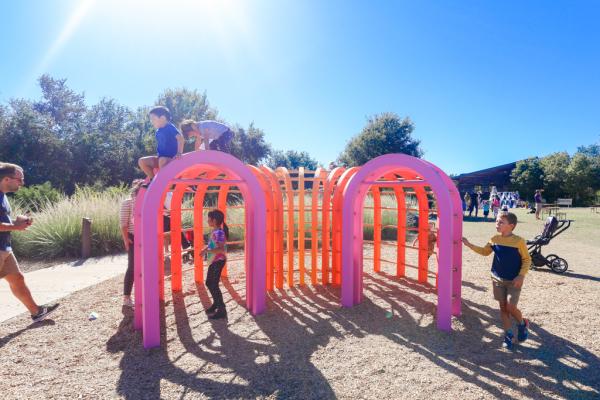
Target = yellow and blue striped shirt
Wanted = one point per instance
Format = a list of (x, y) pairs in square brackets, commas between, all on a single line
[(511, 257)]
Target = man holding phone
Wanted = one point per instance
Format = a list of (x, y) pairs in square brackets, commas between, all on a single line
[(11, 180)]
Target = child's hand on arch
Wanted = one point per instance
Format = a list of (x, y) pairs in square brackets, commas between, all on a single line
[(466, 241)]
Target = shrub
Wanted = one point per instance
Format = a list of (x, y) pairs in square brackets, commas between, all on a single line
[(35, 197)]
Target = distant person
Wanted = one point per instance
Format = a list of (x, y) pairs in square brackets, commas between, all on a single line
[(486, 209), (475, 198), (12, 179), (467, 199), (214, 135), (509, 267), (537, 198), (495, 206), (169, 142)]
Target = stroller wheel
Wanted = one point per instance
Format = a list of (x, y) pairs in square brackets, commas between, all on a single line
[(559, 265), (550, 258)]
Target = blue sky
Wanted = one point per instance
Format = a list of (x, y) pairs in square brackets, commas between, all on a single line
[(485, 83)]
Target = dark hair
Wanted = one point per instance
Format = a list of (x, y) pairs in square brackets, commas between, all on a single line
[(161, 111), (510, 218), (218, 216), (8, 170), (187, 125)]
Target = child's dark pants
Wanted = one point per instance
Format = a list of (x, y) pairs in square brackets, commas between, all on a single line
[(128, 284), (213, 277)]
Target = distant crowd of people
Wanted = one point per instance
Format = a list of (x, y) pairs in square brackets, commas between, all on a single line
[(493, 202)]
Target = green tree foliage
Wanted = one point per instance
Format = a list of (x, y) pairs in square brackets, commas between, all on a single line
[(249, 145), (384, 133), (527, 177), (292, 159), (35, 197), (555, 173), (580, 178), (561, 175), (62, 140)]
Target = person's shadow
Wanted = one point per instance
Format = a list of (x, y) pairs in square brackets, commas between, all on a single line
[(273, 354)]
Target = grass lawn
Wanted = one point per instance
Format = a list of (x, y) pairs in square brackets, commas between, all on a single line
[(307, 347)]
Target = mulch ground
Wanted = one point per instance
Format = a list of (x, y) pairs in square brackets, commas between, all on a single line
[(307, 347)]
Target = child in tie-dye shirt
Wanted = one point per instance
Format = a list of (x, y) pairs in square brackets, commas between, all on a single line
[(216, 252)]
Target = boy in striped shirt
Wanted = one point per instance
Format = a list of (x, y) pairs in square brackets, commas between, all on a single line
[(509, 267)]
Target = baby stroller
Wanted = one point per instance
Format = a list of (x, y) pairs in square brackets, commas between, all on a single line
[(552, 228)]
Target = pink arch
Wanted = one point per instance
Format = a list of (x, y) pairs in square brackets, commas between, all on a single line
[(147, 224), (448, 234)]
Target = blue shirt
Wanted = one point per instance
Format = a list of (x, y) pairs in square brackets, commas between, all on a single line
[(166, 141), (5, 218)]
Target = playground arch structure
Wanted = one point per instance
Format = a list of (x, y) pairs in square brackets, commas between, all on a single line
[(299, 227)]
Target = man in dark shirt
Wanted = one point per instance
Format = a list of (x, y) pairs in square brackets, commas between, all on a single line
[(11, 179)]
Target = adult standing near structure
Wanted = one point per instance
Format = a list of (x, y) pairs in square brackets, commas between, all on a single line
[(11, 180), (537, 198)]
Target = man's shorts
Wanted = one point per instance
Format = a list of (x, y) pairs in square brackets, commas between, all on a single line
[(505, 291), (8, 264)]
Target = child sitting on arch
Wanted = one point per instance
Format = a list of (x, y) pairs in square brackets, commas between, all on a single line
[(169, 142), (215, 135)]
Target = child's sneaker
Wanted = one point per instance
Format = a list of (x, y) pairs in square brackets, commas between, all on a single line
[(523, 330), (43, 312), (508, 340)]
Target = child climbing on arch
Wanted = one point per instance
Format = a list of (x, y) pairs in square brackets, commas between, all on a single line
[(216, 250), (431, 239), (169, 142), (214, 135)]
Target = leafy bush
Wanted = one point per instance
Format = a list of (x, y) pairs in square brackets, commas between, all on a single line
[(36, 197)]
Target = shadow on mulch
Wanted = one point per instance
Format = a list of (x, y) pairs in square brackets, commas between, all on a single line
[(547, 363), (34, 325), (569, 274)]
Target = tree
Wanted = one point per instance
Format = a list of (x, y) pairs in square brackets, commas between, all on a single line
[(250, 146), (580, 178), (527, 177), (384, 133), (555, 167), (292, 159), (186, 104), (107, 148), (27, 139), (65, 108)]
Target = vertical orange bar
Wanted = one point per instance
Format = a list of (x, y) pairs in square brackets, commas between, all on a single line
[(326, 223), (376, 228), (278, 231), (400, 233), (290, 223), (199, 233), (314, 219), (301, 224), (423, 232)]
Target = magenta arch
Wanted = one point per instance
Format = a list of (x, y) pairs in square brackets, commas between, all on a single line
[(147, 224), (449, 230)]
